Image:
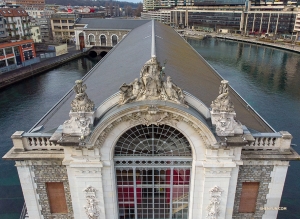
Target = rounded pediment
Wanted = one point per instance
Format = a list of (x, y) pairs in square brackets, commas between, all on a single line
[(150, 113)]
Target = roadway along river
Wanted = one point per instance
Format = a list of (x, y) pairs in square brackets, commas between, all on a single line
[(267, 78)]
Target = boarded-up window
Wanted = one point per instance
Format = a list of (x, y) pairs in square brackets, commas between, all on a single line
[(248, 197), (57, 198)]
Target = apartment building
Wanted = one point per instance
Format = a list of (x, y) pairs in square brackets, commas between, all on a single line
[(16, 22), (62, 25)]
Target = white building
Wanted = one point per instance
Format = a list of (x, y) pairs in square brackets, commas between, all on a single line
[(150, 148), (16, 22)]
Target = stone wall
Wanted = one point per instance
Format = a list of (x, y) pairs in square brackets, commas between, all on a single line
[(253, 173), (51, 173)]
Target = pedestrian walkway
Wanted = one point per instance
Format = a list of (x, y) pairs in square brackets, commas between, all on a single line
[(275, 44)]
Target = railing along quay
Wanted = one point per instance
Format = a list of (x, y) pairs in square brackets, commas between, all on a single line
[(277, 44), (28, 71)]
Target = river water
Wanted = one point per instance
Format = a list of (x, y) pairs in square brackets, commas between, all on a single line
[(268, 79)]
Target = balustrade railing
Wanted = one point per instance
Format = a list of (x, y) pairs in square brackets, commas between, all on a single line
[(32, 142), (265, 141)]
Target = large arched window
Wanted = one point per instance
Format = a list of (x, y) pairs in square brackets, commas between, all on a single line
[(114, 40), (103, 40), (153, 172), (92, 39)]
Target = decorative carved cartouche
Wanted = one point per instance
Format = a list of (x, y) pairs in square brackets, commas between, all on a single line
[(91, 209), (214, 204), (151, 86), (223, 114)]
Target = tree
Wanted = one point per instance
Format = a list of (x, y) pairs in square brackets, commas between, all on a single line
[(139, 10)]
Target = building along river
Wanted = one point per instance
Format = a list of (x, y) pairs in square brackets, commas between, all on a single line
[(266, 78)]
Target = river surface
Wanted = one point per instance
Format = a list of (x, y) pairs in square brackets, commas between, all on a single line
[(268, 79)]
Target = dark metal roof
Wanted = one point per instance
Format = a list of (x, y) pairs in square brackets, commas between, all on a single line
[(111, 24), (124, 62)]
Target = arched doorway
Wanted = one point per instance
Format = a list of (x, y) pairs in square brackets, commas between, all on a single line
[(81, 41), (103, 40), (153, 166), (114, 40)]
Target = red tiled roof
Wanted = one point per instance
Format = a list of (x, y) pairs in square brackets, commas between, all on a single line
[(13, 12)]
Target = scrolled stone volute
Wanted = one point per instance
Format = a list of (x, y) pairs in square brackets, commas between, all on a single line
[(81, 113), (151, 86), (223, 114)]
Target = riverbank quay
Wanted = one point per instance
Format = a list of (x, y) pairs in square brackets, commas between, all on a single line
[(11, 77), (275, 44), (245, 39)]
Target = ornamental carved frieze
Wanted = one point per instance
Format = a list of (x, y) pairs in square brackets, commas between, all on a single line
[(153, 116), (213, 209), (91, 209), (81, 113), (223, 114), (151, 86)]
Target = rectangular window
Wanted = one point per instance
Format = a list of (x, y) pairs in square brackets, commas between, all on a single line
[(1, 52), (2, 63), (11, 61), (8, 50), (248, 197), (56, 197)]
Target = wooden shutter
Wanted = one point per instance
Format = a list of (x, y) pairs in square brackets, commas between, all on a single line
[(248, 197), (57, 198)]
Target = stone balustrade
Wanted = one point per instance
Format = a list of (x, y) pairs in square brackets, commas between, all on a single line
[(34, 141), (270, 141)]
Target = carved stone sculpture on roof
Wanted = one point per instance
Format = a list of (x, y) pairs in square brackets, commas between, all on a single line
[(81, 103), (223, 114), (151, 86), (81, 113)]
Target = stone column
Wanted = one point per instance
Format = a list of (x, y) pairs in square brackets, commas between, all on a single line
[(278, 176), (85, 174), (220, 174), (187, 18), (245, 30), (269, 23), (29, 189), (180, 19), (277, 24), (261, 18), (253, 22)]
